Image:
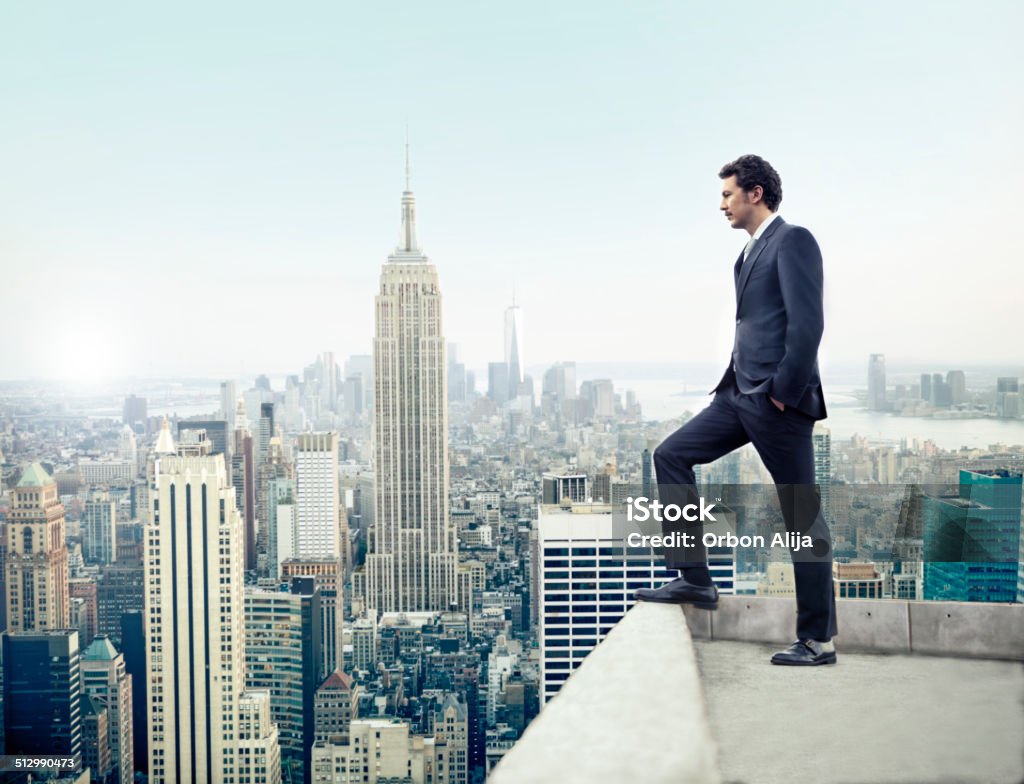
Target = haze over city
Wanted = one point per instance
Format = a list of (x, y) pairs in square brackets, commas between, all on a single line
[(231, 179)]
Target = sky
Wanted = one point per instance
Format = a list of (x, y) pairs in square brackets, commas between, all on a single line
[(211, 189)]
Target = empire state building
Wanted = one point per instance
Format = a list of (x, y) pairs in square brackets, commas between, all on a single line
[(412, 559)]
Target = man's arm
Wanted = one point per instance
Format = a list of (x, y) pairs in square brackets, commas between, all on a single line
[(801, 281)]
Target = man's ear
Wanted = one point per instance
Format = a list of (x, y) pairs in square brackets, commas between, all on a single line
[(756, 194)]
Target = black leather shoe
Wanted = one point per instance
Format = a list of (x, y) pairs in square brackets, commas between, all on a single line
[(805, 653), (679, 591)]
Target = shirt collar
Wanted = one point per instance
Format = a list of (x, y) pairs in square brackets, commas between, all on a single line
[(764, 225)]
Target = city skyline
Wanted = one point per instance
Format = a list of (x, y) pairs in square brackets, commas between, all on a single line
[(542, 579), (258, 186)]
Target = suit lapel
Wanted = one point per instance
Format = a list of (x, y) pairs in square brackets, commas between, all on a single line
[(760, 245)]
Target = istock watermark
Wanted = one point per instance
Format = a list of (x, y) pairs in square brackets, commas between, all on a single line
[(964, 526), (642, 509), (684, 524)]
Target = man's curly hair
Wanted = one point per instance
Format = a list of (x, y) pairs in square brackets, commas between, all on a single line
[(751, 171)]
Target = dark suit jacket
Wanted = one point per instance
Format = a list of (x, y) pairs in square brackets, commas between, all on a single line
[(779, 319)]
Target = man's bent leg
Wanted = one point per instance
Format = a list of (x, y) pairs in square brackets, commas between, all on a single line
[(714, 432)]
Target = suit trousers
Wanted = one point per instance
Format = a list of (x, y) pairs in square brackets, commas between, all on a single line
[(783, 440)]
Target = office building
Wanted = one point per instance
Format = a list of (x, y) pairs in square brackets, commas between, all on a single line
[(556, 488), (364, 643), (361, 366), (119, 589), (586, 583), (335, 705), (876, 383), (602, 487), (926, 386), (336, 763), (105, 678), (42, 693), (36, 569), (328, 382), (560, 381), (497, 382), (412, 555), (352, 395), (283, 650), (328, 579), (96, 755), (84, 608), (228, 404), (379, 751), (106, 471), (1008, 402), (456, 376), (822, 438), (856, 581), (316, 494), (99, 541), (647, 474), (956, 381), (972, 539), (514, 349), (941, 395), (259, 753), (275, 483), (906, 580), (135, 414), (243, 479), (278, 506), (217, 433), (194, 559), (602, 397), (778, 580), (451, 741), (128, 446), (266, 432), (133, 646)]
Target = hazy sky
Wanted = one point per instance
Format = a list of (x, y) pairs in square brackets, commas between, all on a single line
[(211, 189)]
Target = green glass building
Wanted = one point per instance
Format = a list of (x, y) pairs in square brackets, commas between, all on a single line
[(972, 539)]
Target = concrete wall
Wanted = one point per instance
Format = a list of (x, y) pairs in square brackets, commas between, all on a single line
[(959, 629), (633, 711)]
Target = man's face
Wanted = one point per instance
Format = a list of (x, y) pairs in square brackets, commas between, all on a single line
[(738, 204)]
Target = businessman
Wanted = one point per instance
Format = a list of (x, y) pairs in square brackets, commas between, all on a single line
[(770, 396)]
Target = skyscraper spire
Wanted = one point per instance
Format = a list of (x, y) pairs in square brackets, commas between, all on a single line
[(514, 347), (165, 441), (407, 240)]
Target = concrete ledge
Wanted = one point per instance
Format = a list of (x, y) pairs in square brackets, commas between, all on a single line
[(698, 621), (957, 629), (632, 711), (754, 619), (873, 625), (986, 631)]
